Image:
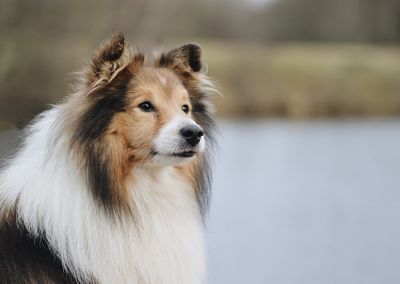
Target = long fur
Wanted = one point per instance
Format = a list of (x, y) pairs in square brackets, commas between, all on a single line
[(82, 202)]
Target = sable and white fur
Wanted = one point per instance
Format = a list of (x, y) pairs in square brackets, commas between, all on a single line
[(94, 195)]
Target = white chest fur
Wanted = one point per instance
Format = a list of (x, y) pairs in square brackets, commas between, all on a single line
[(169, 243), (165, 245)]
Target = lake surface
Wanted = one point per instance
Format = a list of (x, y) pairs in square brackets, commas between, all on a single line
[(306, 203), (312, 203)]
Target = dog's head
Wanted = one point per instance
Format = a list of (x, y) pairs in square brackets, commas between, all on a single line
[(151, 108), (145, 109), (136, 110)]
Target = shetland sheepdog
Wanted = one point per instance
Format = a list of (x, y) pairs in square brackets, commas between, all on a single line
[(112, 185)]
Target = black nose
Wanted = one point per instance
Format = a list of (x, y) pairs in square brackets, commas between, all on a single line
[(192, 134)]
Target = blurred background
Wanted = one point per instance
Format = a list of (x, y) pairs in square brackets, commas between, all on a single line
[(307, 181)]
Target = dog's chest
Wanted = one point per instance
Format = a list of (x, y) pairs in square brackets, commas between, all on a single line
[(166, 244)]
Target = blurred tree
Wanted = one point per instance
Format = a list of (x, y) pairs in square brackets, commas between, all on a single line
[(338, 20)]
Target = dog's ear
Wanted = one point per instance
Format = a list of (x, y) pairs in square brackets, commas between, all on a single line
[(183, 57), (110, 58)]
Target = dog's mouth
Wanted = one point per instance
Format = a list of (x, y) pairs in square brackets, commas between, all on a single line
[(183, 154), (186, 154)]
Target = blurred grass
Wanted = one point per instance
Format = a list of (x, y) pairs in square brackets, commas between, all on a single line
[(306, 80), (292, 80)]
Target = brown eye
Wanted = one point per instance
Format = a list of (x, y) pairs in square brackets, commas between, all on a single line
[(146, 106), (185, 108)]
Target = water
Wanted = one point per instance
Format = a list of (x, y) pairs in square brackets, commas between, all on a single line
[(306, 203), (312, 203)]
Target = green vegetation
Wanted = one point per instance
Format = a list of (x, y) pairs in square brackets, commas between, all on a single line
[(306, 80), (292, 80)]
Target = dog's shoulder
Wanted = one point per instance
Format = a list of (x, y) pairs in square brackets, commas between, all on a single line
[(25, 258)]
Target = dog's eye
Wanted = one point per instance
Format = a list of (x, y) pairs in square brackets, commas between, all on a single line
[(146, 106), (185, 108)]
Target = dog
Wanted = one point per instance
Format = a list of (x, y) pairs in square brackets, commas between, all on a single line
[(112, 185)]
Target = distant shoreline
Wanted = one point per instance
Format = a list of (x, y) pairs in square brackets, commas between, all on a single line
[(286, 80)]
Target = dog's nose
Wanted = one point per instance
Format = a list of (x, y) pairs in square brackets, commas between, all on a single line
[(192, 134)]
